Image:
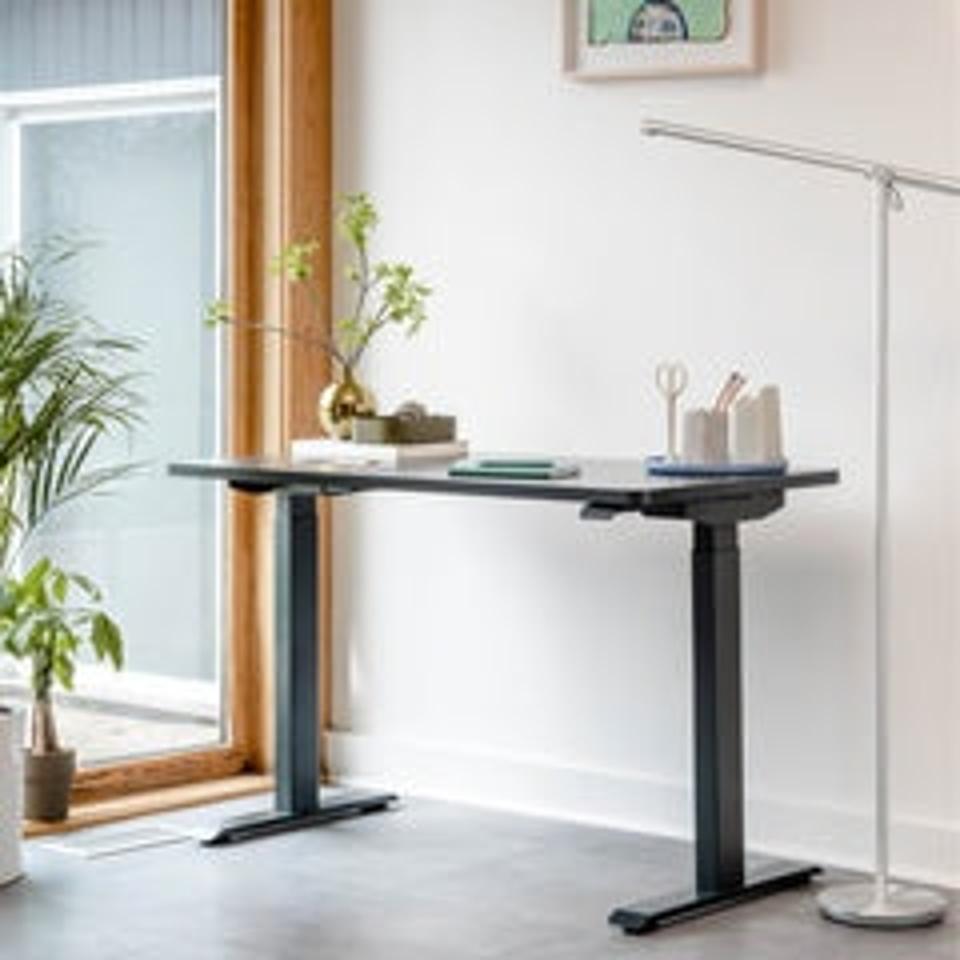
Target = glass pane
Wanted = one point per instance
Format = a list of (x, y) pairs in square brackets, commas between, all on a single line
[(143, 190)]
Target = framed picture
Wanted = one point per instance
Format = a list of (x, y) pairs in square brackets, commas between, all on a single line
[(611, 39)]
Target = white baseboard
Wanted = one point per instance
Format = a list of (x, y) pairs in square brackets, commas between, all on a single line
[(923, 851)]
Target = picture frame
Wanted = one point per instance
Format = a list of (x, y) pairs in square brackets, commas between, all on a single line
[(732, 47)]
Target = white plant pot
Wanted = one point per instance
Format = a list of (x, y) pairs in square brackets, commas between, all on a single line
[(11, 794)]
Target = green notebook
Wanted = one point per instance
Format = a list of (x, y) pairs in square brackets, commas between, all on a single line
[(514, 469)]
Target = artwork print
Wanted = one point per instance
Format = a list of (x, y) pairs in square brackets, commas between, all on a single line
[(657, 22), (640, 39)]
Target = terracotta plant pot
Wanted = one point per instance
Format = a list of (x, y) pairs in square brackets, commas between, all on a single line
[(48, 778)]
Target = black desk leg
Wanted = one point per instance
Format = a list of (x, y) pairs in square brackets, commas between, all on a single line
[(721, 880), (298, 801)]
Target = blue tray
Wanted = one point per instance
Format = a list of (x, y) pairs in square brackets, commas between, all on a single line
[(662, 467)]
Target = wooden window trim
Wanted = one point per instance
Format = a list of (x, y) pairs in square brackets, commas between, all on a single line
[(278, 188), (110, 809)]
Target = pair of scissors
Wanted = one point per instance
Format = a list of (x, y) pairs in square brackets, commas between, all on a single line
[(672, 380)]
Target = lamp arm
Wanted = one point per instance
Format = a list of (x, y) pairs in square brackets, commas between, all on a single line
[(906, 176)]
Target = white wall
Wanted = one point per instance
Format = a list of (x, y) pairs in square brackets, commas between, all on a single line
[(517, 656)]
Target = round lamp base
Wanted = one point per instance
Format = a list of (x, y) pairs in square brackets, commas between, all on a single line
[(860, 905)]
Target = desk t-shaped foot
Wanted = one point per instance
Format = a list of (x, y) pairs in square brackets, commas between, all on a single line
[(721, 879), (298, 801)]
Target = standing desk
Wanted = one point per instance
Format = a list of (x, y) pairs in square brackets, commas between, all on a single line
[(603, 490)]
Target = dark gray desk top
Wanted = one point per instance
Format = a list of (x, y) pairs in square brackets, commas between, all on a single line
[(620, 484)]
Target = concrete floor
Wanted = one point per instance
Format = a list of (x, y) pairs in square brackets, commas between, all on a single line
[(426, 882)]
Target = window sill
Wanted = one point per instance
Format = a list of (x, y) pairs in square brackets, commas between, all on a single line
[(100, 812)]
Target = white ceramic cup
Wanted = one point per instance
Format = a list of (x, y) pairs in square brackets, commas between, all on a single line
[(705, 436), (757, 431)]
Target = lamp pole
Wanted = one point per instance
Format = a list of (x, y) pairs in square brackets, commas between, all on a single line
[(879, 903)]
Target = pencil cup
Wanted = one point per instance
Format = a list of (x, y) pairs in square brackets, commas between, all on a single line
[(705, 436), (757, 432)]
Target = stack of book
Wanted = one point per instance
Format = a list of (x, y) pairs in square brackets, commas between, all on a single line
[(325, 450)]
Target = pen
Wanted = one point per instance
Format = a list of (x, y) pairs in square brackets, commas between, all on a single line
[(728, 392)]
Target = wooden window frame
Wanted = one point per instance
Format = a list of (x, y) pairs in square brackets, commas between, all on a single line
[(278, 181)]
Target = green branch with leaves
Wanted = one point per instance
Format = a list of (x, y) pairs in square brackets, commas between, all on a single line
[(387, 294)]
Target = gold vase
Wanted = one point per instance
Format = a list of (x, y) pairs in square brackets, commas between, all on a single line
[(340, 402)]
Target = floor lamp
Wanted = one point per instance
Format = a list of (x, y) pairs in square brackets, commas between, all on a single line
[(879, 903)]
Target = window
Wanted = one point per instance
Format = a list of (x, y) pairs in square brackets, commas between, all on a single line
[(132, 171)]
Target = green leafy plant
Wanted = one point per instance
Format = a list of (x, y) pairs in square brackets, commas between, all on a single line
[(47, 617), (387, 294), (65, 386)]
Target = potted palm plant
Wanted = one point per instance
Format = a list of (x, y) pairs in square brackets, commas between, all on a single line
[(65, 385)]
